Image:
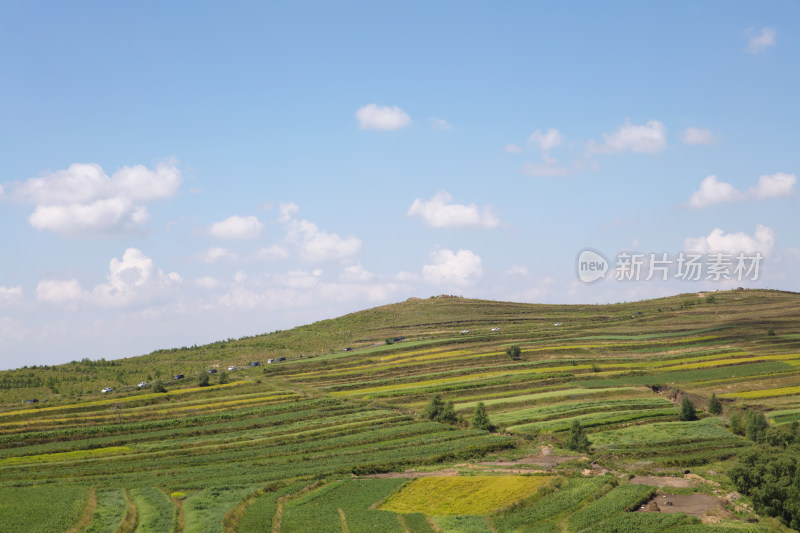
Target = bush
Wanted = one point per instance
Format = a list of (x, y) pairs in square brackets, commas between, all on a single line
[(223, 378), (714, 405), (159, 387), (577, 441), (389, 340), (688, 412), (755, 425), (736, 423), (202, 380), (514, 352)]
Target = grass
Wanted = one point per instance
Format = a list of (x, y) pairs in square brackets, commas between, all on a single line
[(110, 511), (334, 416), (472, 495), (156, 513), (41, 509)]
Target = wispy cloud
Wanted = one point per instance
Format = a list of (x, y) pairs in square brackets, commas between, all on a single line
[(647, 138), (759, 42)]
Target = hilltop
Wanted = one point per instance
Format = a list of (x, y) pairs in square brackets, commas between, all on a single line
[(338, 426)]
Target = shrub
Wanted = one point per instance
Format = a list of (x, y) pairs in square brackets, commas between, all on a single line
[(223, 378), (159, 387), (514, 352), (577, 441), (736, 423), (755, 425), (202, 380), (714, 405)]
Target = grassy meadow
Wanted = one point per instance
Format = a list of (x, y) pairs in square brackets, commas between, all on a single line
[(335, 440)]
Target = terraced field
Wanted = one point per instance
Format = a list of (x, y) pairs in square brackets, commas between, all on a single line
[(334, 440)]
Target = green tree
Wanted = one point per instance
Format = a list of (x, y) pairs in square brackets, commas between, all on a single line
[(434, 408), (389, 340), (688, 412), (438, 411), (514, 352), (202, 380), (158, 387), (736, 423), (577, 441), (714, 405), (480, 420), (755, 425), (223, 378), (448, 415)]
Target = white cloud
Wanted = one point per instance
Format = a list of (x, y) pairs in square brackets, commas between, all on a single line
[(356, 273), (712, 191), (439, 213), (759, 42), (83, 199), (217, 254), (697, 136), (382, 118), (545, 170), (440, 124), (12, 330), (131, 278), (272, 253), (773, 186), (236, 227), (762, 241), (649, 138), (512, 148), (459, 268), (516, 270), (9, 294), (313, 243), (546, 141), (60, 292), (207, 282)]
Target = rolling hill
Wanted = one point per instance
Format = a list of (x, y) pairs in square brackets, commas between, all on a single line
[(332, 435)]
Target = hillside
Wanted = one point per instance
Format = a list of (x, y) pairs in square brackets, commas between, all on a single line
[(317, 441)]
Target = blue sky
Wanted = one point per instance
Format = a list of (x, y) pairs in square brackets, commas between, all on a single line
[(174, 174)]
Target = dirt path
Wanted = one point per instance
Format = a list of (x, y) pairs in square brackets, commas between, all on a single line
[(408, 474), (88, 512), (131, 519), (343, 518)]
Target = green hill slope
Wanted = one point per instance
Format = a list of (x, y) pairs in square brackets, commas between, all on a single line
[(254, 449)]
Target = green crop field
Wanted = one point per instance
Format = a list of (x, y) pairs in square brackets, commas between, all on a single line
[(330, 440)]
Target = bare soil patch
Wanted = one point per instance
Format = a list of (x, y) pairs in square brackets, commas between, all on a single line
[(693, 504), (658, 481), (543, 461), (412, 474)]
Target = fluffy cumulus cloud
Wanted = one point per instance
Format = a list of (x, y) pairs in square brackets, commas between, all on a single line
[(453, 268), (312, 243), (713, 191), (129, 280), (439, 212), (697, 136), (648, 138), (774, 185), (382, 118), (84, 199), (236, 227), (762, 240), (759, 41)]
